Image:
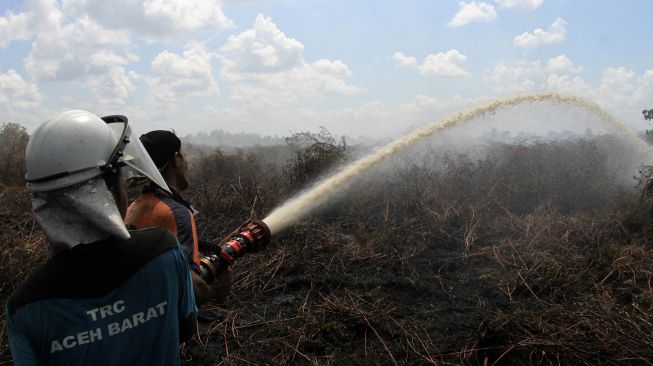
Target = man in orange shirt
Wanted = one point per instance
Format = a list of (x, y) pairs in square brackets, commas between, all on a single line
[(159, 208)]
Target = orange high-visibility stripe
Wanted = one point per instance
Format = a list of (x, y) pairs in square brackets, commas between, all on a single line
[(196, 251)]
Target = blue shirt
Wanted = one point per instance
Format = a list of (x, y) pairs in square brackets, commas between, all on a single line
[(136, 323)]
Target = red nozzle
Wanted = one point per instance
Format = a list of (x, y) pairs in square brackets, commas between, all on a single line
[(258, 234), (252, 237)]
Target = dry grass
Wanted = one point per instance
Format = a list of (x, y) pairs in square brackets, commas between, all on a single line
[(23, 248), (447, 260)]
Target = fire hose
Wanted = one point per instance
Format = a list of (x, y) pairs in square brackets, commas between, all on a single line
[(251, 238)]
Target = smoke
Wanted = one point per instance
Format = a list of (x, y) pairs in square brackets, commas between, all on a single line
[(303, 204)]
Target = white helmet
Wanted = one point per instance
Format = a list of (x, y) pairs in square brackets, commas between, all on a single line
[(77, 145)]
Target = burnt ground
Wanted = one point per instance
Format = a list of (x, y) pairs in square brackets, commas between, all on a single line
[(531, 255), (320, 297)]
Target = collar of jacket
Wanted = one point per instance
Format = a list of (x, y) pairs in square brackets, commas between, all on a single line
[(175, 196)]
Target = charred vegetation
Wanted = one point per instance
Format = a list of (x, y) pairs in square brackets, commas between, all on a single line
[(535, 253)]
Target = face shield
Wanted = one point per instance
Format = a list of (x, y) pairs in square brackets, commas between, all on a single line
[(130, 153)]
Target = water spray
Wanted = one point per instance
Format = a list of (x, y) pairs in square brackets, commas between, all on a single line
[(302, 205), (259, 235)]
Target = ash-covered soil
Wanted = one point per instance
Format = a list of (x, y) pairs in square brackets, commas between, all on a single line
[(535, 254)]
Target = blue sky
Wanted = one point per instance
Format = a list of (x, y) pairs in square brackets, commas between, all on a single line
[(372, 68)]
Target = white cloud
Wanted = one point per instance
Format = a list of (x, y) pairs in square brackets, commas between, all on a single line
[(618, 80), (270, 70), (523, 4), (562, 63), (619, 90), (520, 77), (404, 61), (529, 76), (556, 33), (311, 81), (447, 64), (624, 92), (80, 51), (38, 16), (153, 19), (20, 100), (107, 58), (534, 76), (17, 91), (177, 76), (72, 51), (473, 12), (113, 88), (574, 85), (450, 64), (331, 67), (14, 27), (262, 49)]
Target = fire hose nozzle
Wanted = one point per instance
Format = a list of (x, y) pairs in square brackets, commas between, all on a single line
[(251, 238)]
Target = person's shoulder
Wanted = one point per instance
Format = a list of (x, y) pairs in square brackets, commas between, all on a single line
[(155, 245), (151, 241), (90, 270), (158, 199)]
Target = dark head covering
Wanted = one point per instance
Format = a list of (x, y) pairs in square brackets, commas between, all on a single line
[(161, 145)]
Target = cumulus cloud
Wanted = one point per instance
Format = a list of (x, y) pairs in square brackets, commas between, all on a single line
[(450, 64), (80, 51), (447, 64), (71, 51), (177, 76), (556, 33), (18, 92), (562, 63), (404, 61), (520, 77), (619, 81), (310, 81), (262, 49), (14, 26), (269, 69), (624, 92), (37, 16), (113, 88), (153, 19), (473, 12), (523, 4), (91, 44), (20, 100), (63, 49), (149, 19), (568, 84), (528, 76), (619, 90)]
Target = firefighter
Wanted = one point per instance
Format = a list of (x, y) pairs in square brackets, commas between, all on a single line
[(106, 295), (157, 207)]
